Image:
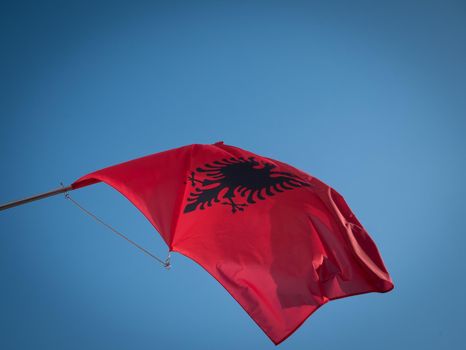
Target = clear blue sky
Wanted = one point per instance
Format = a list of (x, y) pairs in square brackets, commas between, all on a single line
[(370, 97)]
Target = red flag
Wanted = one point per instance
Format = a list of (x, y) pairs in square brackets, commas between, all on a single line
[(280, 241)]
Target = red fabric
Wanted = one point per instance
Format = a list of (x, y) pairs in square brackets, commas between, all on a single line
[(281, 257)]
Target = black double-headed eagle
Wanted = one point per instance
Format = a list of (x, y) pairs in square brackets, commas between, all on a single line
[(227, 179)]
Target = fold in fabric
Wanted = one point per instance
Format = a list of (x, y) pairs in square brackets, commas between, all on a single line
[(280, 241)]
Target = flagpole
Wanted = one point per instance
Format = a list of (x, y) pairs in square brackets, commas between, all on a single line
[(35, 198)]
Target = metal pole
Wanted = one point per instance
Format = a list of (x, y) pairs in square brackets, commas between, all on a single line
[(35, 198)]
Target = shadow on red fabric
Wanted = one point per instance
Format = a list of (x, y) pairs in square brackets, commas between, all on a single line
[(280, 241)]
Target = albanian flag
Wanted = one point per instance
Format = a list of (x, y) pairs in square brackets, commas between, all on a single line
[(280, 241)]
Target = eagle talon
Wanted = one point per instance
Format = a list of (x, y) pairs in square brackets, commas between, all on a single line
[(193, 179), (245, 178), (235, 206)]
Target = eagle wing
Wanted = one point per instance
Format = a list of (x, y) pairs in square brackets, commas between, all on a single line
[(269, 186), (203, 197), (244, 177)]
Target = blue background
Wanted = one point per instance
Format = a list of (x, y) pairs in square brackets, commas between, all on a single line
[(370, 97)]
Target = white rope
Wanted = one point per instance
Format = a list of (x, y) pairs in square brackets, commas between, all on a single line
[(165, 263)]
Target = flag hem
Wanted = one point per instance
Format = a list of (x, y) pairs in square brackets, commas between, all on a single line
[(277, 342)]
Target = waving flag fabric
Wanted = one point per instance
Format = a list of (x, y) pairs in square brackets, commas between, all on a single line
[(280, 241)]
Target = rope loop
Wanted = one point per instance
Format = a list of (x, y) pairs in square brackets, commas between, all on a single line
[(165, 263)]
